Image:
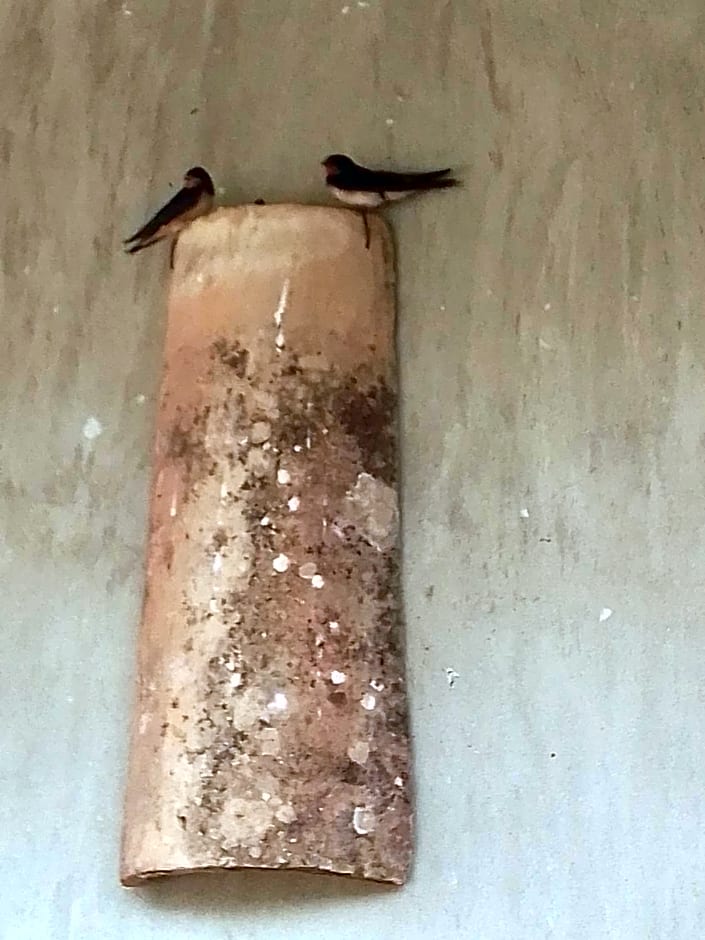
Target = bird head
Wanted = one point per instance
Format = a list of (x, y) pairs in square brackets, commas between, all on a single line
[(197, 176), (337, 163)]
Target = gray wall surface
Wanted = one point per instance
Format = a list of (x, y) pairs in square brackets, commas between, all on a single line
[(552, 347)]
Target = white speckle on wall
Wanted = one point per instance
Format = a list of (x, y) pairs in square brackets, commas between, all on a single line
[(337, 678), (605, 614), (359, 752), (363, 820), (372, 508), (283, 476), (294, 503), (451, 676), (317, 581), (279, 341), (92, 428), (524, 513), (307, 570), (281, 563), (368, 701), (279, 703), (265, 520), (338, 531), (334, 626), (217, 563)]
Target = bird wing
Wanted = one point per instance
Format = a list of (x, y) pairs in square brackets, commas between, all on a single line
[(180, 203), (404, 182), (381, 181)]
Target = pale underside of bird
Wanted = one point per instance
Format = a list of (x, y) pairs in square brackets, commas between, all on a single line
[(364, 199)]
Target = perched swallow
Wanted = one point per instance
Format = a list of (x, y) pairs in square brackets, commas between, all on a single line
[(369, 189), (193, 200)]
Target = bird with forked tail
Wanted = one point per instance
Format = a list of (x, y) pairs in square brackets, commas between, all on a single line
[(194, 199), (367, 189)]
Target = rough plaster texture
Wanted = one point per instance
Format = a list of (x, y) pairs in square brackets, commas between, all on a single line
[(269, 725), (552, 343)]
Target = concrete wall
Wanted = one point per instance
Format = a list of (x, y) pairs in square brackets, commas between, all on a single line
[(552, 346)]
